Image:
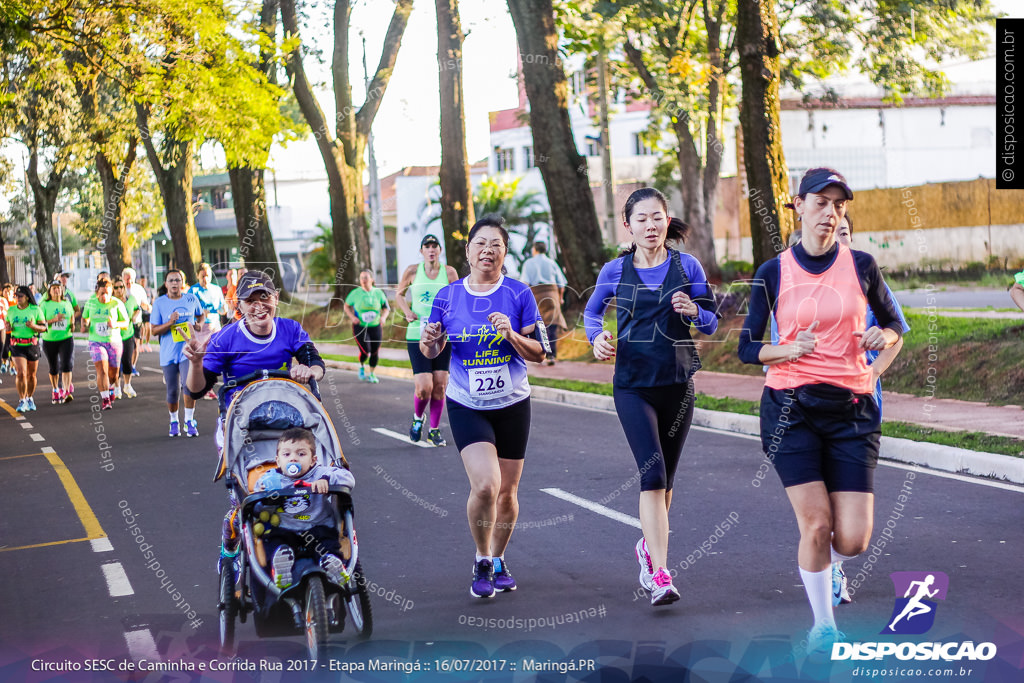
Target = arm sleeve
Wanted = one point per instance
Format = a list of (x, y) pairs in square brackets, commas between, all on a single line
[(210, 378), (308, 355), (604, 292), (879, 296), (701, 294), (763, 293)]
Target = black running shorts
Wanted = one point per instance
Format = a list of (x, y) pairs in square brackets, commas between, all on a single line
[(421, 363), (507, 428)]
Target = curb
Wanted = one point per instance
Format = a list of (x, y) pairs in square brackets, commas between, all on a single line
[(929, 455)]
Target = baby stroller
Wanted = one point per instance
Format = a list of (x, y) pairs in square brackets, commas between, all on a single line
[(267, 404)]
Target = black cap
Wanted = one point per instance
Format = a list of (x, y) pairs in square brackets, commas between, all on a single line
[(429, 239), (819, 179), (254, 281), (25, 290)]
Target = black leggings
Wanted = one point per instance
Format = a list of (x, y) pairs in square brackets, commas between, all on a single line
[(369, 339), (128, 346), (60, 355), (656, 421)]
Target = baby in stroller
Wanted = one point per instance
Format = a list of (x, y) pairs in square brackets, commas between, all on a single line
[(308, 527)]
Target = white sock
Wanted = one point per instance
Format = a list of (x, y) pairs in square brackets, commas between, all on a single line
[(174, 416), (484, 557), (189, 413), (819, 592), (837, 557)]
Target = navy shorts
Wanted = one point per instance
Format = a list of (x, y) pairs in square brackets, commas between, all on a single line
[(508, 428), (805, 446), (421, 363)]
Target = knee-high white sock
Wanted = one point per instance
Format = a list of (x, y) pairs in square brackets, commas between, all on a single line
[(819, 592), (840, 558)]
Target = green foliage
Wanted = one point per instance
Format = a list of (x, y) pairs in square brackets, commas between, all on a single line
[(320, 262), (141, 206)]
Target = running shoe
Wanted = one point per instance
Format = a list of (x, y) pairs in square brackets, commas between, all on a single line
[(503, 580), (362, 373), (135, 372), (664, 592), (55, 397), (840, 594), (822, 637), (69, 393), (416, 430), (335, 569), (175, 429), (117, 393), (107, 403), (282, 563), (646, 568), (372, 379), (21, 406), (191, 428), (30, 403), (129, 391), (435, 438), (483, 580)]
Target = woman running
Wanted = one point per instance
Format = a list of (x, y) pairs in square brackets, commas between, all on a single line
[(103, 318), (421, 283), (659, 293), (367, 308), (129, 337), (494, 327), (24, 323), (59, 342), (819, 425)]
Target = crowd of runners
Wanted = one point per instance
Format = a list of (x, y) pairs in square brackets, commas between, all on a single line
[(835, 327)]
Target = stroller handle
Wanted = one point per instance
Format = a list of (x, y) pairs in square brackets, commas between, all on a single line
[(239, 382)]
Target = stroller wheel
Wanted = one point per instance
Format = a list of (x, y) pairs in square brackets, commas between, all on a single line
[(316, 623), (227, 608), (358, 605)]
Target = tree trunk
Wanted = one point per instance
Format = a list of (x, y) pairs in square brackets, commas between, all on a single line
[(114, 240), (174, 176), (5, 275), (45, 196), (573, 215), (757, 38), (255, 241), (456, 192)]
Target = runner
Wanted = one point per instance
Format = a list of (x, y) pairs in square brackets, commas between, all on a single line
[(103, 318), (494, 327), (176, 316), (214, 303), (129, 337), (7, 301), (659, 293), (135, 289), (59, 342), (3, 335), (367, 308), (24, 322), (421, 283), (147, 331), (818, 426)]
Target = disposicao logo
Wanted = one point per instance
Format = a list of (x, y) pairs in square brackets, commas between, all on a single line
[(913, 614)]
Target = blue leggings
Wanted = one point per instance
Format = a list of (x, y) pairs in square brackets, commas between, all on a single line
[(656, 421)]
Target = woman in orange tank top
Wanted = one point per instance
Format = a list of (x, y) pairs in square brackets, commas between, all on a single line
[(820, 427)]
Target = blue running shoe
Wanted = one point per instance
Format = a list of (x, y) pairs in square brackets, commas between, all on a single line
[(362, 373), (191, 428), (503, 580), (175, 429), (435, 438), (416, 430), (483, 580), (30, 403), (822, 637), (840, 594)]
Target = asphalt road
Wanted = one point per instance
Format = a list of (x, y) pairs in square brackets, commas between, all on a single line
[(66, 601)]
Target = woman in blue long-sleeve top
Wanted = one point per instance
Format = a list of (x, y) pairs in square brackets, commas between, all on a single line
[(659, 293)]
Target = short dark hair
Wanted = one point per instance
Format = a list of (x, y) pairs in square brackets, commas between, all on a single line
[(299, 434), (541, 247)]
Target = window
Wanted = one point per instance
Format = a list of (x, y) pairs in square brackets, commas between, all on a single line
[(503, 159), (593, 146), (578, 83), (528, 155), (640, 147)]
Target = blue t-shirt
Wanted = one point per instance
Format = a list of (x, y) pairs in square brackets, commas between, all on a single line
[(235, 351), (213, 301), (486, 370), (172, 343)]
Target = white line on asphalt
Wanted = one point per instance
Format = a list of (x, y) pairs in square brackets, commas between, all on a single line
[(101, 545), (725, 432), (117, 580), (26, 425), (47, 449), (404, 438), (958, 477), (159, 370), (37, 437), (141, 645), (594, 507)]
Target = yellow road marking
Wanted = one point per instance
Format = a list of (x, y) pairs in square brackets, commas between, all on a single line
[(27, 455), (6, 406), (85, 513), (42, 545)]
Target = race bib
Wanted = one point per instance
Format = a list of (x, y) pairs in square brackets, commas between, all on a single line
[(488, 383), (101, 329), (368, 316), (181, 332), (60, 325)]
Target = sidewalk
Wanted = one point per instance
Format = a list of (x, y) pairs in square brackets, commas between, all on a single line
[(936, 413)]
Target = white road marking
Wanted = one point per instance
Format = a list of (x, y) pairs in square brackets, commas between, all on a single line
[(158, 371), (958, 477), (48, 449), (594, 507), (26, 425), (37, 437), (117, 580), (141, 645), (723, 432), (101, 545), (404, 438)]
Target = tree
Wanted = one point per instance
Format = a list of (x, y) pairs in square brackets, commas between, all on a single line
[(457, 213), (522, 211), (757, 39), (343, 145), (573, 214)]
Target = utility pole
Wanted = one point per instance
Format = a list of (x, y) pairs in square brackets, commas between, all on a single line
[(607, 173), (376, 210)]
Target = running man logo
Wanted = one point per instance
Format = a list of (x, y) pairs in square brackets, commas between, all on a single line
[(916, 592)]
